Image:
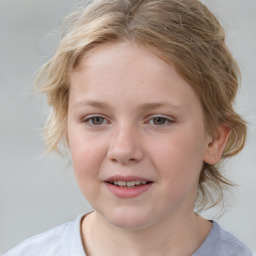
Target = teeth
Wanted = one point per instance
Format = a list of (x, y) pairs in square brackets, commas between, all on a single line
[(121, 183), (128, 183)]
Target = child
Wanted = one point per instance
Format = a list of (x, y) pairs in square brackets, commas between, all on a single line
[(141, 93)]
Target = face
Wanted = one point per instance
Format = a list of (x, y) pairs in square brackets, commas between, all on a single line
[(136, 135)]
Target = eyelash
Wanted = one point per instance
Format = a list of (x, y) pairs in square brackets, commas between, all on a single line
[(165, 119), (89, 120)]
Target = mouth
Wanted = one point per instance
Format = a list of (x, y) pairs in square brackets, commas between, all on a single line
[(127, 187), (128, 184)]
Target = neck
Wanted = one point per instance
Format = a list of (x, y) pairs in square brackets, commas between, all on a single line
[(167, 237)]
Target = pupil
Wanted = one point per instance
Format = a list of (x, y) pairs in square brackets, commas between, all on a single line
[(97, 120), (159, 120)]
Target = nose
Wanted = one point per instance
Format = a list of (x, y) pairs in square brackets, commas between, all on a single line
[(125, 146)]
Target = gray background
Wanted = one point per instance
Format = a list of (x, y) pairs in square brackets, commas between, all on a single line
[(37, 193)]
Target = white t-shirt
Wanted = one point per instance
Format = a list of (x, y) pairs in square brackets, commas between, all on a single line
[(65, 240)]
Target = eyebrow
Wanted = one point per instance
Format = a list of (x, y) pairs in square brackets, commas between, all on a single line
[(142, 108), (150, 106), (92, 103)]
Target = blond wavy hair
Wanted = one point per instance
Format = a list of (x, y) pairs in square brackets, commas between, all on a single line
[(182, 32)]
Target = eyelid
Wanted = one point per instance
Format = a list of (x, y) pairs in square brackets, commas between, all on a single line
[(167, 118), (87, 119), (161, 116)]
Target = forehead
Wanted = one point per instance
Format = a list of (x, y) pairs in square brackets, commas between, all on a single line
[(117, 58), (127, 71), (122, 53)]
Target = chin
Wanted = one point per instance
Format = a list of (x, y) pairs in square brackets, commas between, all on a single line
[(129, 220)]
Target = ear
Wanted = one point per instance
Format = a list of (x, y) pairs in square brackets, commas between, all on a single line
[(217, 144)]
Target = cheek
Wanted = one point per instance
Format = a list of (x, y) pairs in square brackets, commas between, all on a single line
[(87, 153), (179, 163), (180, 157), (87, 158)]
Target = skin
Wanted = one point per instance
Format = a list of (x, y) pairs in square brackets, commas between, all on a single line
[(131, 113)]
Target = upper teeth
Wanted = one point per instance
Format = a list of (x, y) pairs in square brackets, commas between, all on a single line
[(129, 183)]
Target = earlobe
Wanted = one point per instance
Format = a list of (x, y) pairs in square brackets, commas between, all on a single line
[(217, 145)]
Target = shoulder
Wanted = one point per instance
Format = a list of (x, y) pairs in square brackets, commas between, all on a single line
[(47, 243), (222, 243), (59, 241), (230, 244)]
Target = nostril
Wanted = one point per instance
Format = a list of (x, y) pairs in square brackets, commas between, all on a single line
[(124, 161)]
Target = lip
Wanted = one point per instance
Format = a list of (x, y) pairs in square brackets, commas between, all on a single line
[(126, 178), (124, 192)]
